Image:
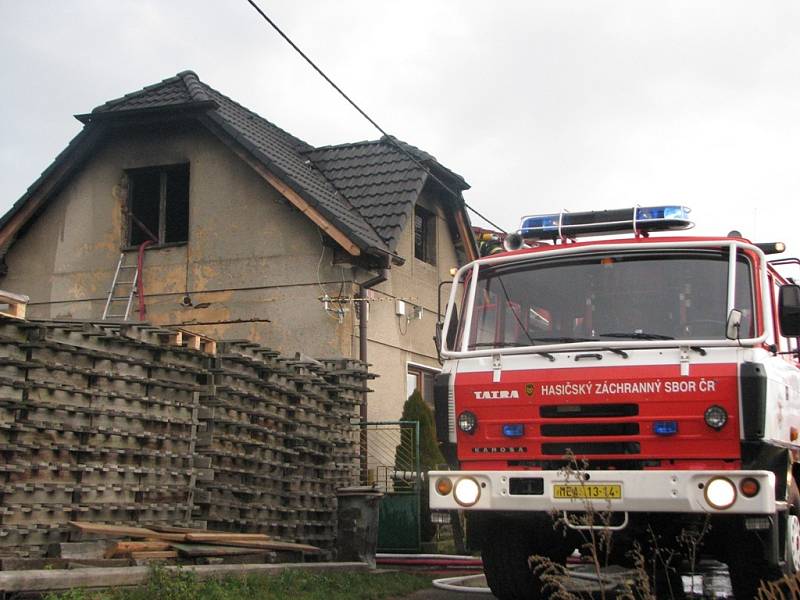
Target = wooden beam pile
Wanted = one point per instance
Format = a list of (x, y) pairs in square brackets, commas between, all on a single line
[(159, 543), (130, 424)]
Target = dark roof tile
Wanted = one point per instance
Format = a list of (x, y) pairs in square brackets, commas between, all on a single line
[(366, 189)]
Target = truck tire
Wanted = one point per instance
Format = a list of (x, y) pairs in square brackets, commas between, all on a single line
[(746, 564), (505, 553)]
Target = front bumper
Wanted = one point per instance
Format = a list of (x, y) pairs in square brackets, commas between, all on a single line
[(639, 491)]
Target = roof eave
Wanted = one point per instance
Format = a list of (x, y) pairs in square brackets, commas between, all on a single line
[(187, 108)]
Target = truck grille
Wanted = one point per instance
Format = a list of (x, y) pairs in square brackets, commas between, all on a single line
[(579, 448), (572, 411), (593, 420), (589, 429)]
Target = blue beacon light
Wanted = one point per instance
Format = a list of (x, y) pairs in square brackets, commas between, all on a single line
[(665, 427), (513, 430)]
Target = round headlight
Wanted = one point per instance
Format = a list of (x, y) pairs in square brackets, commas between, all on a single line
[(720, 493), (467, 422), (716, 417), (466, 491)]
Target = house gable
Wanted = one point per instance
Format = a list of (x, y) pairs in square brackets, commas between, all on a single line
[(362, 195)]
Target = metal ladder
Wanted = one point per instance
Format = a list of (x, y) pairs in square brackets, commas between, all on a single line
[(117, 295)]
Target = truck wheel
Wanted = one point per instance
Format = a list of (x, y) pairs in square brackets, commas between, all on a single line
[(505, 553), (748, 568), (746, 565)]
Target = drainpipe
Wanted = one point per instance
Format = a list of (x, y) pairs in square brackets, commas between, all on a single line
[(363, 310)]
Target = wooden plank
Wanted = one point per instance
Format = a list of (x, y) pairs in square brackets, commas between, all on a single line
[(194, 550), (125, 531), (170, 529), (465, 233), (125, 548), (155, 554), (224, 536), (98, 562), (15, 310), (271, 545)]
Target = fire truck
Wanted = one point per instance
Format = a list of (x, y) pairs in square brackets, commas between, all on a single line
[(651, 377)]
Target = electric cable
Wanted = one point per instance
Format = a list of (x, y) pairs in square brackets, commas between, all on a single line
[(390, 138)]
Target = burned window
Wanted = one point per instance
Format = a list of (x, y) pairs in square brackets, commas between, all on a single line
[(158, 205), (424, 235)]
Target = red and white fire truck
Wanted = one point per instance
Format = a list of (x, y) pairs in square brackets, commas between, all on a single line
[(667, 365)]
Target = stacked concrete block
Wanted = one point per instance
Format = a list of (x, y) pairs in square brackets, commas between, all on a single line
[(98, 425), (274, 432), (120, 423)]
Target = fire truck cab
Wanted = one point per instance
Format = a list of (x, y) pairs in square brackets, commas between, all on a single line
[(646, 384)]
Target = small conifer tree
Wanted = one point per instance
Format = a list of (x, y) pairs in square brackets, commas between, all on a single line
[(430, 456)]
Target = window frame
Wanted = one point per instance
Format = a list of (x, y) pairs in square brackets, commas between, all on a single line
[(426, 250), (163, 175), (419, 371)]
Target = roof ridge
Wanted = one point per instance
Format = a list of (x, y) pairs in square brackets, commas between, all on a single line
[(194, 86)]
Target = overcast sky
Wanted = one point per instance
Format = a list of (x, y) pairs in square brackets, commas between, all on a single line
[(541, 106)]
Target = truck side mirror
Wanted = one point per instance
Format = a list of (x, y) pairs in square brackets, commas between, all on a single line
[(734, 324), (789, 310), (452, 331)]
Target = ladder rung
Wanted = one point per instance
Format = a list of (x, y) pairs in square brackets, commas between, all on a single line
[(125, 282), (129, 266), (118, 298), (115, 316)]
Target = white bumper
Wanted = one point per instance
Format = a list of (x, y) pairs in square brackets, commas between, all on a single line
[(641, 491)]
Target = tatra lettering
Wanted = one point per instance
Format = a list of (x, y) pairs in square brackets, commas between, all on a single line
[(496, 394)]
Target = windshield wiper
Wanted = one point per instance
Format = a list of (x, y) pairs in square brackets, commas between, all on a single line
[(498, 345), (637, 335), (546, 355), (561, 340)]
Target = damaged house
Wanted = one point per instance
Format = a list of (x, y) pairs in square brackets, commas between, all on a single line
[(236, 229)]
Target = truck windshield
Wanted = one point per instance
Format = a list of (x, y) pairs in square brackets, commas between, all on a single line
[(640, 295)]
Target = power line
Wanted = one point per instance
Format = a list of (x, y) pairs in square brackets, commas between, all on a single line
[(390, 138)]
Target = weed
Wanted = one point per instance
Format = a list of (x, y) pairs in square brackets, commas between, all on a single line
[(596, 528), (183, 584)]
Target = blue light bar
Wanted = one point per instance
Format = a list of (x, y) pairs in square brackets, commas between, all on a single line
[(665, 427), (513, 430), (639, 219), (653, 213)]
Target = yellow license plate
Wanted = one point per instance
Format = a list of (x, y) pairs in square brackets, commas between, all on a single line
[(588, 491)]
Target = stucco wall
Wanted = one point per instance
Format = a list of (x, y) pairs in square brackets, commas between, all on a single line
[(393, 340), (250, 254)]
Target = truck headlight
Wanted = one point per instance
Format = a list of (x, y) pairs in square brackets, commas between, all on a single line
[(466, 491), (720, 493), (467, 422), (716, 417)]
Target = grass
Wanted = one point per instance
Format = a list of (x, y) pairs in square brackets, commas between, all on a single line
[(166, 584)]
